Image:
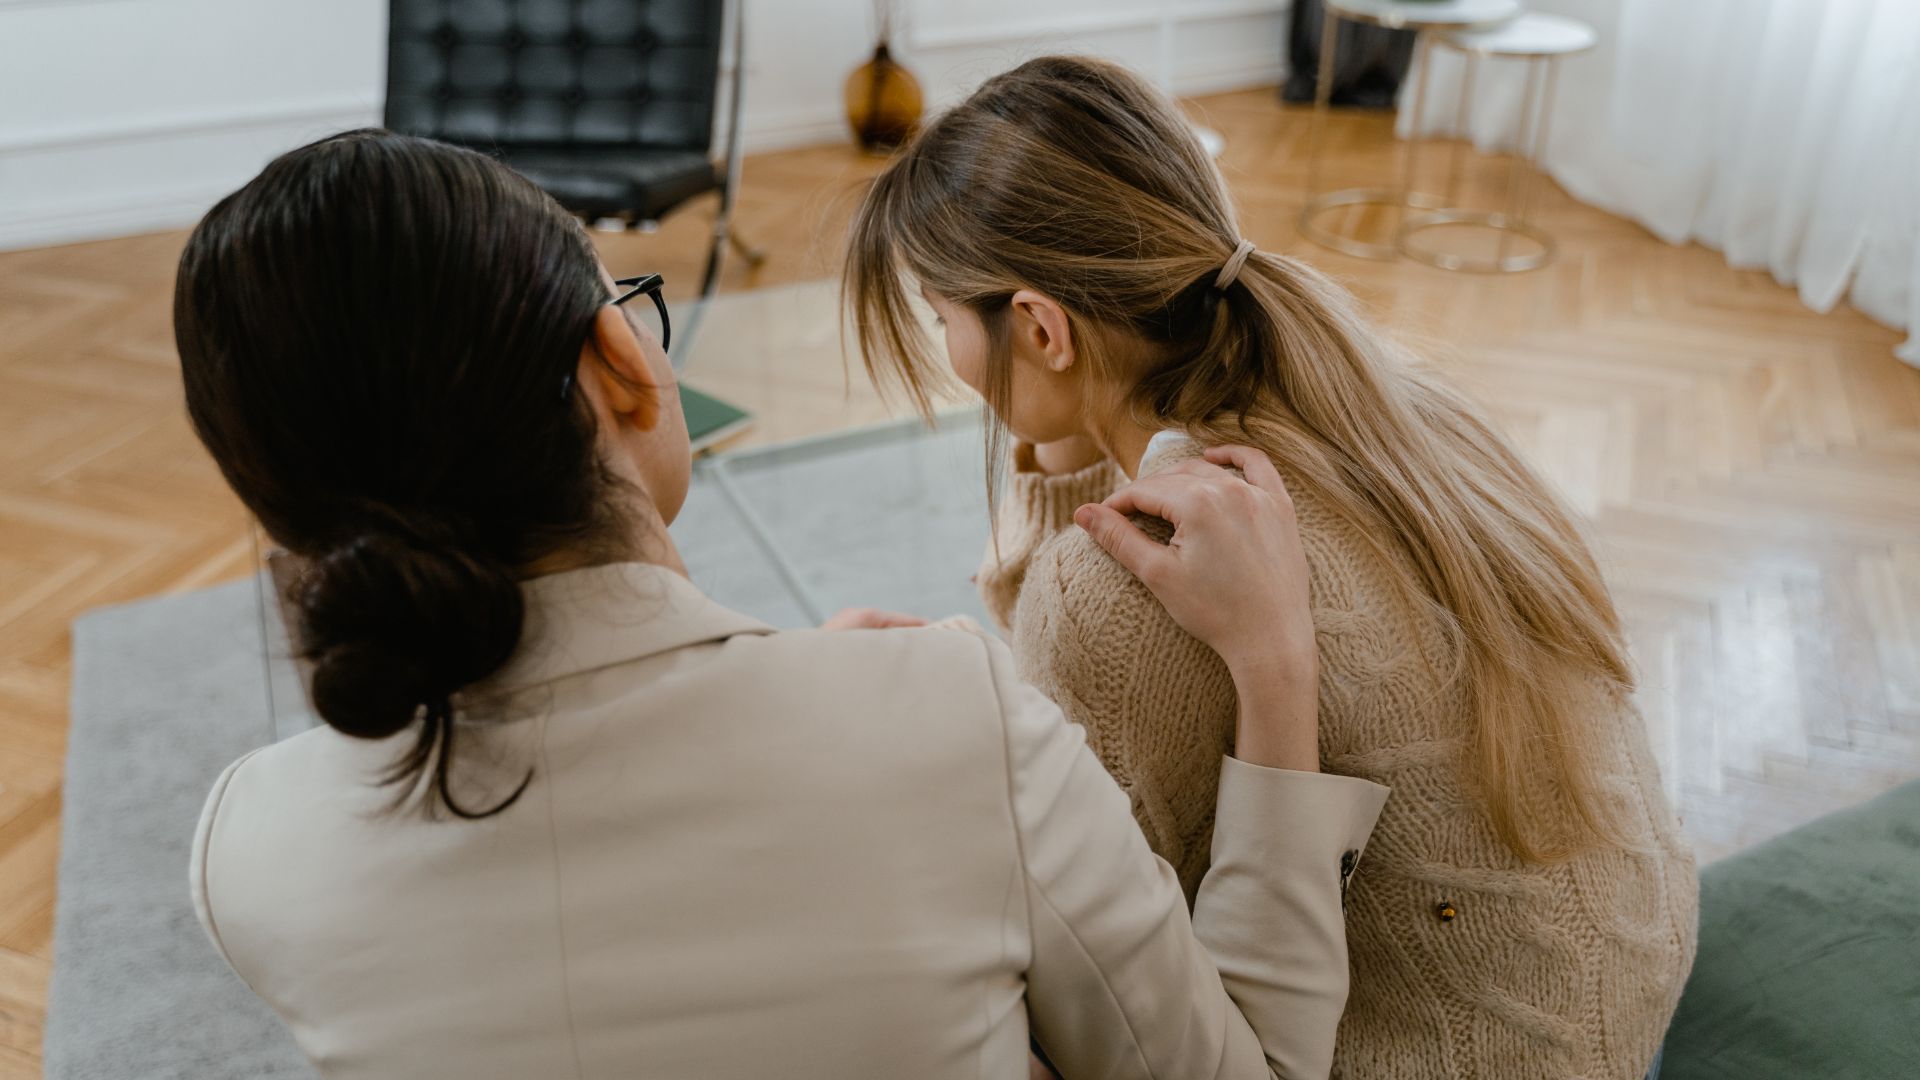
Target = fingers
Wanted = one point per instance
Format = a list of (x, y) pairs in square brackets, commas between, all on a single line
[(1129, 546), (1166, 494), (1194, 467), (1253, 464), (848, 619), (1179, 490)]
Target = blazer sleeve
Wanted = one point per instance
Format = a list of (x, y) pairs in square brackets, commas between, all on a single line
[(1121, 982), (198, 870)]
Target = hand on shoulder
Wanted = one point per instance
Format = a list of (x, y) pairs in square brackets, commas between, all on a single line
[(1233, 575)]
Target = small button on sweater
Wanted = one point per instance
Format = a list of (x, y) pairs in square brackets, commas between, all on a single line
[(1467, 963)]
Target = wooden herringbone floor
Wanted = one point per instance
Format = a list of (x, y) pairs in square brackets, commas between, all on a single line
[(1752, 468)]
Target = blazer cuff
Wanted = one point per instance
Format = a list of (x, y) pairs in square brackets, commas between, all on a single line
[(1285, 817)]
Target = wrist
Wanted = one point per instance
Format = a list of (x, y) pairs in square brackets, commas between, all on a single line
[(1278, 735), (1265, 666), (1279, 707)]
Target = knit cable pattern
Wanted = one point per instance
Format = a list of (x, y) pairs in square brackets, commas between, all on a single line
[(1570, 970)]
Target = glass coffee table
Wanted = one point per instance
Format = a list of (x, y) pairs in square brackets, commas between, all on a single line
[(829, 499), (776, 353)]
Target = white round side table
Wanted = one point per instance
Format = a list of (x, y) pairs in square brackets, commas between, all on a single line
[(1423, 17), (1542, 41)]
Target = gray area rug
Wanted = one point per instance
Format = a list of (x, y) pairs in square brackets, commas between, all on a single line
[(167, 692)]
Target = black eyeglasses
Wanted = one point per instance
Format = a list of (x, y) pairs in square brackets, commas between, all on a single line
[(649, 285)]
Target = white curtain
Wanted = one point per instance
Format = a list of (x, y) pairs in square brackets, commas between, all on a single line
[(1785, 133)]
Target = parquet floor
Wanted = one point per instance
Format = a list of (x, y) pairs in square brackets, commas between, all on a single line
[(1752, 469)]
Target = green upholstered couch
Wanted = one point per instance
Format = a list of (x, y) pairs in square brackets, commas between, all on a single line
[(1809, 964)]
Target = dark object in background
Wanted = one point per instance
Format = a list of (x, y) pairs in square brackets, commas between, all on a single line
[(1369, 63), (883, 98), (608, 106), (883, 103)]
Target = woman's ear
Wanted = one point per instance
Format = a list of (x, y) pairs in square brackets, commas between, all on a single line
[(617, 365), (1041, 330)]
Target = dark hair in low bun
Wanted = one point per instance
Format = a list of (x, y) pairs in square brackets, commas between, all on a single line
[(391, 624), (395, 624), (374, 334)]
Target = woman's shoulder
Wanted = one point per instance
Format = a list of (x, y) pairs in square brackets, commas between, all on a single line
[(287, 781), (911, 698), (282, 766), (1071, 571), (921, 700), (955, 651), (1086, 628), (1076, 596), (262, 812), (1331, 540)]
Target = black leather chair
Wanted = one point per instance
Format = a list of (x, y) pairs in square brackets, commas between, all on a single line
[(607, 104)]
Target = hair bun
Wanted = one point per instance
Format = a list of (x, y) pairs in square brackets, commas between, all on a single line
[(369, 691), (394, 621)]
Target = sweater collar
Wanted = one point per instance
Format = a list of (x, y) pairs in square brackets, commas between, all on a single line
[(1166, 448), (582, 620)]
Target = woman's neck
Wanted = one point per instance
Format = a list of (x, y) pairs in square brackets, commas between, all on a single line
[(1125, 441), (650, 542)]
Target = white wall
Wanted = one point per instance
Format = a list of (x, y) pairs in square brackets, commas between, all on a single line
[(123, 116), (800, 52)]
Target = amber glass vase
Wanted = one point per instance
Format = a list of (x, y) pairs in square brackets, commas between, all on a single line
[(883, 103)]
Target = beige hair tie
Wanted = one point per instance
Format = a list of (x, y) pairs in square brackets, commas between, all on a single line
[(1231, 271)]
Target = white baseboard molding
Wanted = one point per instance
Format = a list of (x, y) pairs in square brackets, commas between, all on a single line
[(68, 187), (1049, 26), (1243, 77), (794, 129), (48, 226), (278, 115), (798, 129)]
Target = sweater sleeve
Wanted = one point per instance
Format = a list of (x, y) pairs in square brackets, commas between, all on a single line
[(1120, 982), (1033, 507), (1157, 704)]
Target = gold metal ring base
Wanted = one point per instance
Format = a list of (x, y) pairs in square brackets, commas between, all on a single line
[(1482, 219), (1333, 200)]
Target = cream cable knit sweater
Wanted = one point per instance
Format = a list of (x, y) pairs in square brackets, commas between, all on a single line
[(1544, 972)]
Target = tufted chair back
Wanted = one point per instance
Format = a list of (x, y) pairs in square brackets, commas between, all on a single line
[(555, 74)]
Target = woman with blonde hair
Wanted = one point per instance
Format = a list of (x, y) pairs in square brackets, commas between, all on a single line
[(1527, 907)]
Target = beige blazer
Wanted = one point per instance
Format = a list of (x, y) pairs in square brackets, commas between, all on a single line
[(748, 853)]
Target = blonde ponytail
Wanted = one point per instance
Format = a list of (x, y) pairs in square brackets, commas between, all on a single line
[(1076, 178)]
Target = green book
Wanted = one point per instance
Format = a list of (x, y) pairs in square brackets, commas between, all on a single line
[(710, 420)]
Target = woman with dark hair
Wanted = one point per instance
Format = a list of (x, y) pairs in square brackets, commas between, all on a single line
[(568, 817)]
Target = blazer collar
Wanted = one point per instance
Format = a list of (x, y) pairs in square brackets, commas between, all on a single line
[(583, 620)]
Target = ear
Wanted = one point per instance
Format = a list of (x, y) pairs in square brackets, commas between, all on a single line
[(1040, 327), (617, 365)]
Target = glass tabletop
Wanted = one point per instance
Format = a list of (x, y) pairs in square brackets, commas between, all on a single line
[(777, 353)]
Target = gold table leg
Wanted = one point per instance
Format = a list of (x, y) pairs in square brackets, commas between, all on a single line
[(1536, 109), (1402, 198)]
